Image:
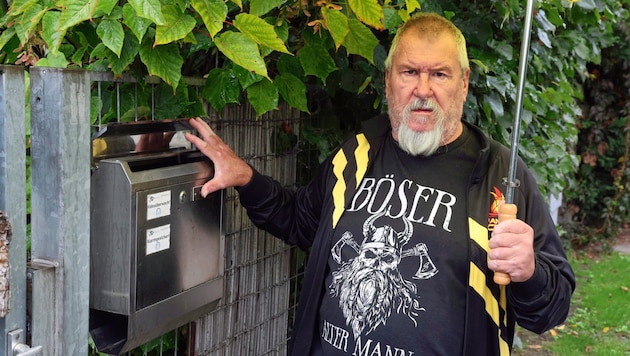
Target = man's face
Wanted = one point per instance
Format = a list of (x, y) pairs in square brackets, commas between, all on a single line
[(426, 91)]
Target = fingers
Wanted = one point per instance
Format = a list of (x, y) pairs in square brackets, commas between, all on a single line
[(206, 136), (202, 128), (229, 169), (515, 226), (209, 187), (512, 250)]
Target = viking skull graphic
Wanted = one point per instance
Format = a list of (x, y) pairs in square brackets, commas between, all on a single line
[(370, 285)]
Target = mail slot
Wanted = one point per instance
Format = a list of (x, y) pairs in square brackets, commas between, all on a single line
[(157, 245)]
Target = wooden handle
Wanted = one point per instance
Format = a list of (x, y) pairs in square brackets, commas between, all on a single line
[(506, 212)]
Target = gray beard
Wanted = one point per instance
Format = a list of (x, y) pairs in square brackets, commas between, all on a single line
[(420, 143)]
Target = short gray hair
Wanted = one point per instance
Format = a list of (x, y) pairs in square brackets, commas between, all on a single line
[(430, 24)]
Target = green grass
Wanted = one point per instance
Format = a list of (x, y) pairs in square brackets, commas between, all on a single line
[(599, 322)]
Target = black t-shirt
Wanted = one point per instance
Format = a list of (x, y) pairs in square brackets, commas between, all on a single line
[(397, 272)]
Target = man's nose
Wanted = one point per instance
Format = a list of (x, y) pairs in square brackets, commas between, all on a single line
[(423, 88)]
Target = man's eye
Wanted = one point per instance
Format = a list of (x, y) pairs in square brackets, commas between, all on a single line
[(409, 72)]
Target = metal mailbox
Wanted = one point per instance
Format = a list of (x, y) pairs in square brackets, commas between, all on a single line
[(157, 246)]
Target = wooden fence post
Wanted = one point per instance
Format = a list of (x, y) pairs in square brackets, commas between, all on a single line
[(13, 192), (60, 200)]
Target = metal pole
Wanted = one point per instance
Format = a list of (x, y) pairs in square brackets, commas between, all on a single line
[(511, 180), (508, 210)]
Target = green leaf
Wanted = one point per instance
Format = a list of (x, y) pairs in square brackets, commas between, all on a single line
[(176, 27), (245, 77), (263, 96), (50, 34), (581, 50), (496, 104), (555, 18), (196, 107), (19, 6), (503, 48), (259, 31), (167, 105), (100, 51), (238, 3), (137, 24), (368, 11), (130, 49), (6, 36), (498, 84), (403, 15), (181, 4), (112, 34), (484, 68), (261, 7), (316, 61), (77, 56), (76, 11), (149, 9), (586, 4), (360, 40), (337, 24), (241, 50), (292, 90), (212, 12), (221, 88), (392, 19), (162, 61), (543, 37), (104, 7), (53, 60), (289, 64), (28, 20), (412, 5)]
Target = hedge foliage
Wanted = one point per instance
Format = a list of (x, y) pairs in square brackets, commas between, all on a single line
[(326, 57)]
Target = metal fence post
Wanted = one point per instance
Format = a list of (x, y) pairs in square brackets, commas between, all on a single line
[(13, 191), (60, 200)]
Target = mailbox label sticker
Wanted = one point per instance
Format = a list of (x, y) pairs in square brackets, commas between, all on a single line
[(158, 205), (158, 239)]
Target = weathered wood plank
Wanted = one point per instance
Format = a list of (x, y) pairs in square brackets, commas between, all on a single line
[(60, 196), (13, 191)]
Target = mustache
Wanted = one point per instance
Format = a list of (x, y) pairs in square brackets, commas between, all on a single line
[(422, 104)]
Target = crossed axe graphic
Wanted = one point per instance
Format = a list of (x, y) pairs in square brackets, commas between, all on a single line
[(426, 269)]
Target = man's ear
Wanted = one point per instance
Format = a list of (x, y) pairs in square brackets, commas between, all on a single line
[(466, 81)]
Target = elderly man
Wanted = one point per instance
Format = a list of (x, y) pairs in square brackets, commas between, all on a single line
[(401, 222)]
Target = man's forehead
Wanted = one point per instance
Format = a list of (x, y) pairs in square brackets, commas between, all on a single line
[(415, 35), (415, 51)]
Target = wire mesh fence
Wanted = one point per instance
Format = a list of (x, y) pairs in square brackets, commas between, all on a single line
[(262, 274)]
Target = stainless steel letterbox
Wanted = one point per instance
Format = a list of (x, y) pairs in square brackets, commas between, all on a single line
[(157, 246)]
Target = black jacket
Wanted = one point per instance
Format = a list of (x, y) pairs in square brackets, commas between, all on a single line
[(307, 218)]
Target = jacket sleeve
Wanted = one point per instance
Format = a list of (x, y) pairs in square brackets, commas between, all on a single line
[(543, 301), (292, 215)]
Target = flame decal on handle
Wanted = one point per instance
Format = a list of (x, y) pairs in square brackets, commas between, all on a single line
[(493, 214)]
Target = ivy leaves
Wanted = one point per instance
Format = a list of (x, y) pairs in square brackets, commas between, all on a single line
[(269, 51), (110, 34)]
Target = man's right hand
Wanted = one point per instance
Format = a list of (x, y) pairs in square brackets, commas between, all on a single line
[(229, 169)]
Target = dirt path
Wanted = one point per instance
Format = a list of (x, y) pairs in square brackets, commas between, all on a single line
[(622, 245)]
